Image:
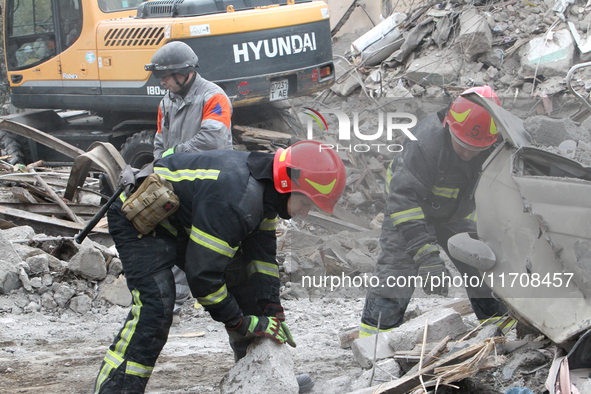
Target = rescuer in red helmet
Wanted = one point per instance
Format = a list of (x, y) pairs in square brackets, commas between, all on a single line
[(430, 185), (223, 237)]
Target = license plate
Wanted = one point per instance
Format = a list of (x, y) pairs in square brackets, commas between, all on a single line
[(279, 90)]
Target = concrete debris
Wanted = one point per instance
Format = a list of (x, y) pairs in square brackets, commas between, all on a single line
[(475, 35), (266, 368), (441, 322), (363, 349), (81, 304), (117, 292), (386, 371), (550, 55), (89, 263)]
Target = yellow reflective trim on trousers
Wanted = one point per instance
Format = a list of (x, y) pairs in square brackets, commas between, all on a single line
[(262, 267), (405, 216), (268, 225), (214, 298), (166, 224), (425, 250), (187, 174), (472, 216), (138, 369), (129, 328), (366, 330), (112, 361), (445, 192), (211, 242)]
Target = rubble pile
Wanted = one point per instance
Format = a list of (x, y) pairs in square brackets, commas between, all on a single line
[(522, 49), (48, 275)]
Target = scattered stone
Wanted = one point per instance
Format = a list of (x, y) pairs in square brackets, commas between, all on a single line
[(339, 385), (26, 251), (47, 301), (63, 294), (9, 277), (527, 360), (475, 35), (347, 337), (417, 90), (24, 278), (442, 322), (81, 304), (38, 264), (363, 349), (435, 92), (434, 70), (399, 92), (266, 368), (115, 267), (47, 280), (385, 371), (36, 282), (32, 307), (89, 263), (18, 233), (350, 83), (9, 254), (356, 199), (546, 131), (117, 292), (549, 58)]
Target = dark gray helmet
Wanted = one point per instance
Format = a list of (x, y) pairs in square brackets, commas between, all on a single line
[(175, 57)]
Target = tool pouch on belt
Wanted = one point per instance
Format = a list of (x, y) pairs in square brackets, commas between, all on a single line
[(153, 201)]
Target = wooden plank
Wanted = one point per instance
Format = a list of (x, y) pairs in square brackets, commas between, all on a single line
[(268, 135), (48, 222), (52, 208), (23, 195)]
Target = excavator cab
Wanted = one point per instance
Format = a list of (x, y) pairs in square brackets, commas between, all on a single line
[(38, 30)]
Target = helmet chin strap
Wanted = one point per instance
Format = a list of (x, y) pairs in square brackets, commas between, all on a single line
[(177, 81)]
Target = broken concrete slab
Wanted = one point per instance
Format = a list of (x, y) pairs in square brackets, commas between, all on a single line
[(89, 263), (63, 294), (348, 84), (441, 322), (434, 69), (8, 252), (81, 304), (475, 35), (548, 56), (386, 370), (546, 131), (9, 277), (266, 368), (38, 264), (18, 233), (117, 292), (363, 349), (47, 301)]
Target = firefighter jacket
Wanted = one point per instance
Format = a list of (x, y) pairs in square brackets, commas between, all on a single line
[(229, 207), (427, 184), (199, 122)]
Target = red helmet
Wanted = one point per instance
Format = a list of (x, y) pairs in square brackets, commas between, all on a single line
[(470, 125), (315, 170)]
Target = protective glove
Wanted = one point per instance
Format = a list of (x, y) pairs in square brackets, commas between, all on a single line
[(168, 151), (289, 338), (276, 311), (432, 270), (258, 326)]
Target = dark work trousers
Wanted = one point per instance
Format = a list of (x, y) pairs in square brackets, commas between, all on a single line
[(239, 286), (147, 262), (394, 261)]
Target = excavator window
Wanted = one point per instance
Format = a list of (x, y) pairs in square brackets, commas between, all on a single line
[(30, 33), (70, 21), (118, 5)]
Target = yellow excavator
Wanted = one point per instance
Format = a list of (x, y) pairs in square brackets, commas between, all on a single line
[(89, 55)]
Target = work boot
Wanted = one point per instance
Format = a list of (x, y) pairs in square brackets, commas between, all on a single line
[(305, 383)]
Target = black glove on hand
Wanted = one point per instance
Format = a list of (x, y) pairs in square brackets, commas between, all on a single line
[(258, 326), (432, 270)]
